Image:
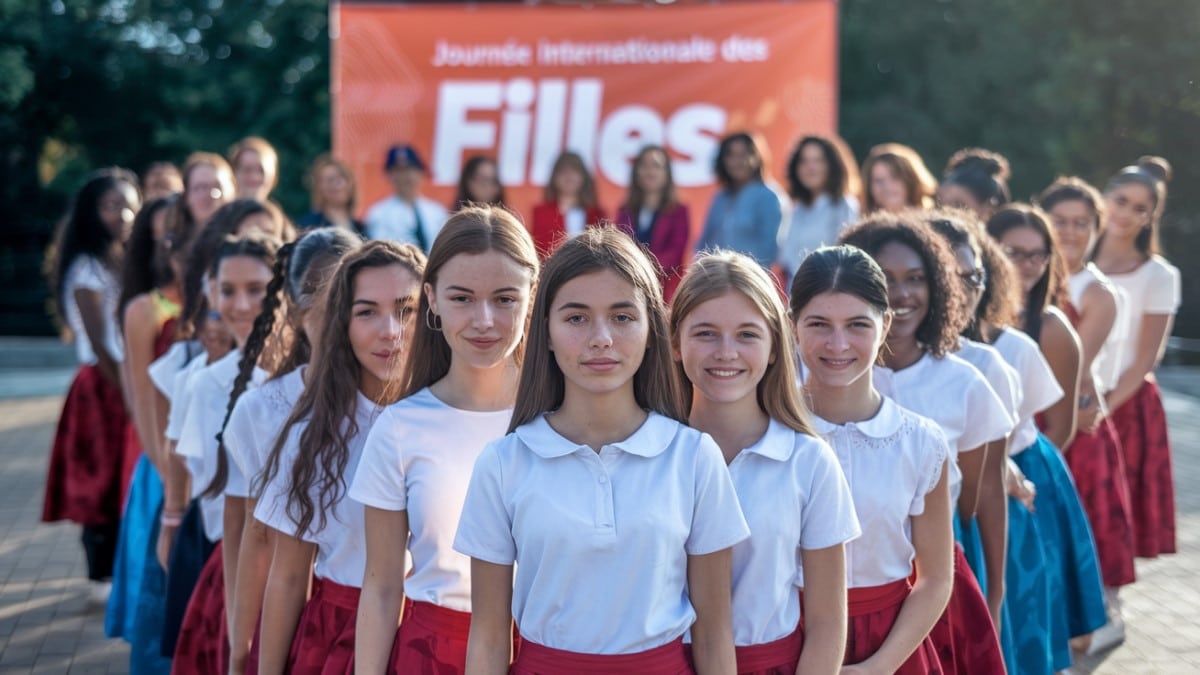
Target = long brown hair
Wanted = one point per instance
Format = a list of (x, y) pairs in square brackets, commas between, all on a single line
[(470, 231), (637, 196), (587, 191), (1152, 173), (719, 272), (597, 249), (329, 403), (909, 168)]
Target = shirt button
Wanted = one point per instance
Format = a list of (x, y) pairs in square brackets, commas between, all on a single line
[(603, 479)]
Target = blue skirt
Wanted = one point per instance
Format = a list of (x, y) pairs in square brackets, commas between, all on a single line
[(137, 525), (1077, 598), (145, 640)]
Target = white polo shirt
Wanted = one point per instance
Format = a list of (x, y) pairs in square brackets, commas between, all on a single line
[(891, 461), (342, 542), (956, 396), (601, 540), (794, 497), (1039, 387), (418, 459), (254, 426)]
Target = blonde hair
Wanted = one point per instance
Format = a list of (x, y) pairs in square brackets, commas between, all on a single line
[(718, 272)]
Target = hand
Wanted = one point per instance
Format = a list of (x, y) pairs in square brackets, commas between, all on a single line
[(1091, 414), (166, 538), (1020, 487)]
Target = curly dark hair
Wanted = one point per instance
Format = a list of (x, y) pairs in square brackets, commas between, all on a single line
[(938, 331), (999, 302)]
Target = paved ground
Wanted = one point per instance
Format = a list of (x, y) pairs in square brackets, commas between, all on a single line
[(49, 625)]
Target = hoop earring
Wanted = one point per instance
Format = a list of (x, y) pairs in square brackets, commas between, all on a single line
[(432, 321)]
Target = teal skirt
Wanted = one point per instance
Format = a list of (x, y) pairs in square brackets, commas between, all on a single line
[(137, 523)]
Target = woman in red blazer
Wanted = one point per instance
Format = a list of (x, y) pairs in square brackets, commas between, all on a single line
[(569, 206), (653, 215)]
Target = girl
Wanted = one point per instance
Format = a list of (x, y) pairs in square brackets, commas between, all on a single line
[(207, 186), (896, 462), (920, 374), (255, 417), (83, 483), (161, 180), (730, 337), (976, 180), (745, 214), (897, 179), (332, 191), (240, 272), (317, 531), (479, 184), (619, 519), (457, 397), (653, 214), (255, 168), (824, 185), (569, 206)]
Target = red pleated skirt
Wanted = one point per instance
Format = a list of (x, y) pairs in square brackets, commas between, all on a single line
[(964, 636), (83, 484), (1098, 468), (203, 645), (534, 659), (872, 612), (324, 640), (1141, 424), (431, 640)]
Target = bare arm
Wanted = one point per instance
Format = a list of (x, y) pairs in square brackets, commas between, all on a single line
[(253, 565), (286, 593), (489, 647), (175, 500), (933, 540), (234, 520), (1061, 347), (992, 516), (1097, 314), (91, 310), (710, 587), (824, 609), (970, 463), (1152, 341), (383, 590)]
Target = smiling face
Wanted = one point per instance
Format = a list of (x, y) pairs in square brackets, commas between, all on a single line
[(117, 208), (908, 288), (839, 336), (812, 168), (1129, 209), (725, 347), (598, 328), (208, 190), (739, 162), (1075, 224), (381, 317), (241, 287), (1027, 249), (887, 188), (481, 300)]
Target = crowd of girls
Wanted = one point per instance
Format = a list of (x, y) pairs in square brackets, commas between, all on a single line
[(936, 446)]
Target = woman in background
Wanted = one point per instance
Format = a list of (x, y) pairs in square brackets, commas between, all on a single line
[(897, 179), (746, 214), (823, 182), (332, 192), (653, 215)]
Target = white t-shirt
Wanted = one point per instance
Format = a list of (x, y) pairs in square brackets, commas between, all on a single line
[(1106, 367), (394, 219), (418, 459), (1153, 288), (891, 461), (209, 400), (1039, 387), (956, 396), (1002, 377), (342, 543), (600, 539), (254, 426), (794, 497), (87, 272), (164, 371)]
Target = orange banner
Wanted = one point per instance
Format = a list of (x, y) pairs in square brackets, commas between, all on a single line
[(521, 84)]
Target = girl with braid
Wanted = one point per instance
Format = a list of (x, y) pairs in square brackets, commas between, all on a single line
[(255, 417)]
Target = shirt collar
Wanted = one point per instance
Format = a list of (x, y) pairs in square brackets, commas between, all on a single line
[(884, 424), (650, 440), (778, 443)]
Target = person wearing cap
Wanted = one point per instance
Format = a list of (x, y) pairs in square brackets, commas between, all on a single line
[(405, 216)]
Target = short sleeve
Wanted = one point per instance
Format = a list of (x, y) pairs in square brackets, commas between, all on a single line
[(85, 272), (934, 451), (239, 445), (485, 527), (273, 502), (190, 442), (1163, 292), (988, 418), (1042, 389), (717, 520), (379, 481), (829, 517)]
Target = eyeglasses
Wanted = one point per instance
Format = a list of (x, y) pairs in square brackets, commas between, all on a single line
[(1020, 255), (974, 278)]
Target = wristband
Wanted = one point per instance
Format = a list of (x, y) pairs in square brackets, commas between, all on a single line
[(1085, 401), (170, 521)]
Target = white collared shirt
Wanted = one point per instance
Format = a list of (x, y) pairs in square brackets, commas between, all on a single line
[(254, 426), (891, 461), (956, 396), (342, 542), (394, 219), (1001, 376), (418, 459), (601, 539), (181, 394), (1039, 387), (794, 497), (164, 371)]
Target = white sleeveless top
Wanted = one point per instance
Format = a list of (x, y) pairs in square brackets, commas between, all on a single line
[(1106, 368)]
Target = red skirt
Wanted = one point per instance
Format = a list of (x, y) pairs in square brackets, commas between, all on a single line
[(779, 657), (872, 612), (431, 640), (1099, 471), (1141, 424), (324, 640), (203, 645), (83, 483), (964, 636), (534, 659)]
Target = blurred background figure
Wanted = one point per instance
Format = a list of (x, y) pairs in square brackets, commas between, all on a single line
[(406, 216), (479, 184), (897, 179), (823, 182), (333, 194), (653, 215), (745, 214), (976, 180), (569, 204), (255, 168), (161, 179)]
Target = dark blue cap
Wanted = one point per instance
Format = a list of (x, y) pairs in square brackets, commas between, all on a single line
[(403, 154)]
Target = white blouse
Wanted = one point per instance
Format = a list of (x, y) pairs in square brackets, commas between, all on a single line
[(1002, 377), (1039, 387), (1106, 367), (86, 272), (1153, 288), (254, 426), (601, 539)]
